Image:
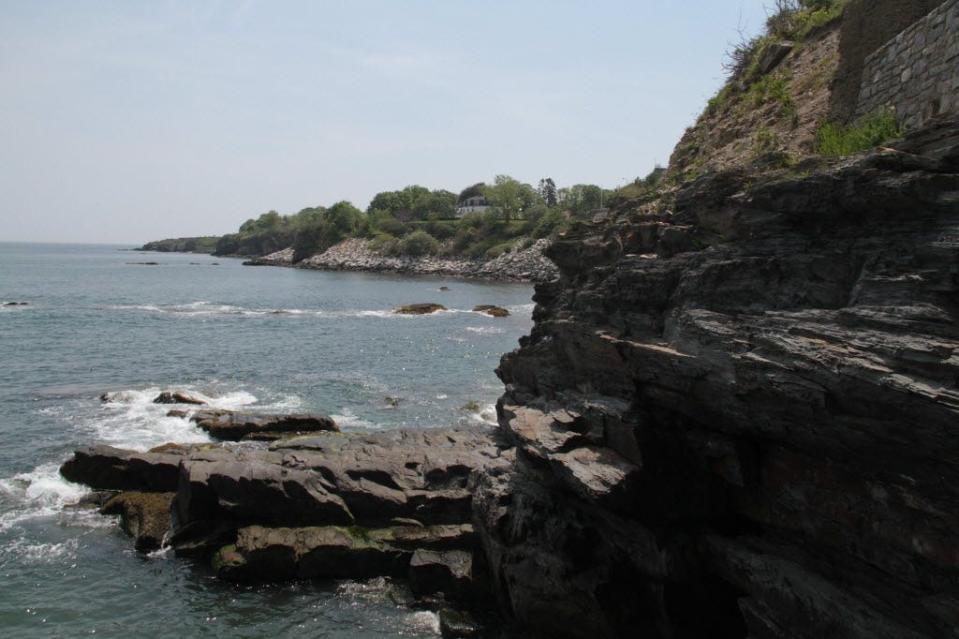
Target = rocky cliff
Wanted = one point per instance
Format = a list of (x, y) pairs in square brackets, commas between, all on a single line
[(738, 415)]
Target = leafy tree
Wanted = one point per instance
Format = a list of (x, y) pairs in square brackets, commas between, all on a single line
[(472, 191), (580, 199), (343, 217), (509, 196), (441, 204)]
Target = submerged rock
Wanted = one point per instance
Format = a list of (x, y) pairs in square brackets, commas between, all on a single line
[(235, 426), (419, 309), (492, 311)]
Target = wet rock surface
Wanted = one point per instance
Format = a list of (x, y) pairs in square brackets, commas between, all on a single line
[(419, 309), (738, 416), (492, 311)]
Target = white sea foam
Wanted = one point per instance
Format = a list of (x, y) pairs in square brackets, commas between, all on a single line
[(348, 419), (485, 330), (31, 552), (42, 492), (486, 415), (423, 621), (521, 309)]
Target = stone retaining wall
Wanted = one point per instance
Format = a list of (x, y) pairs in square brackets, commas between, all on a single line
[(917, 72)]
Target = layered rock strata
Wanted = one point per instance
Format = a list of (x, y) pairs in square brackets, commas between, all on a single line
[(328, 505), (739, 416)]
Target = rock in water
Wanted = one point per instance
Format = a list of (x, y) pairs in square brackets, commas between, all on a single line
[(179, 397), (234, 426), (492, 311), (419, 309), (143, 516)]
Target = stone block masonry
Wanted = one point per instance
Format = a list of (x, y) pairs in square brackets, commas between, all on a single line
[(917, 72)]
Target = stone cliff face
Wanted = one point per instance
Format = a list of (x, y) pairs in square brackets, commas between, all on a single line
[(740, 417)]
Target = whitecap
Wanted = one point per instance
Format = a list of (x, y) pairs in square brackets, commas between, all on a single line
[(32, 552), (42, 492), (423, 621), (348, 419), (486, 415), (522, 309), (131, 419)]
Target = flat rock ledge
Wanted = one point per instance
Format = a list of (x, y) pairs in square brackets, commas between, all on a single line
[(229, 425), (324, 505)]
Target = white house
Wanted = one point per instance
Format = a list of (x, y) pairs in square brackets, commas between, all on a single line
[(473, 204)]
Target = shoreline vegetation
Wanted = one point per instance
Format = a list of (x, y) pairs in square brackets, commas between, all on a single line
[(491, 231)]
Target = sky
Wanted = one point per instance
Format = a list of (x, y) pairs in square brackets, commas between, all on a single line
[(128, 121)]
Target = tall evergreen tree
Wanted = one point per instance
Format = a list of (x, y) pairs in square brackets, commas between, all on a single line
[(547, 190)]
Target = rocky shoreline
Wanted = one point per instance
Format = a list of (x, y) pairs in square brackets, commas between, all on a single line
[(736, 416), (525, 265)]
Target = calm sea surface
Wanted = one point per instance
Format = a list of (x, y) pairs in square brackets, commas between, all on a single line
[(263, 338)]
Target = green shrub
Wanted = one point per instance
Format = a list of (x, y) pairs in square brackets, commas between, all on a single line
[(392, 226), (770, 88), (419, 243), (549, 224), (479, 248), (499, 249), (868, 132), (383, 243)]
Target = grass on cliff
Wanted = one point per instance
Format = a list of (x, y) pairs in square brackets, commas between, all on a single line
[(868, 132)]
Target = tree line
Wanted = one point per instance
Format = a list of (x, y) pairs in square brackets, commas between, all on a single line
[(416, 221)]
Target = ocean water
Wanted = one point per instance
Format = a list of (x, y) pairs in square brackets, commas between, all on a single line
[(263, 338)]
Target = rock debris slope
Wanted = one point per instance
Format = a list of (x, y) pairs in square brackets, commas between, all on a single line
[(740, 417)]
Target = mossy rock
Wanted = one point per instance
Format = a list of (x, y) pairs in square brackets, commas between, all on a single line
[(492, 311), (419, 309)]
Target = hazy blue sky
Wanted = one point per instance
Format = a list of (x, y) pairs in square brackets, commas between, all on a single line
[(128, 121)]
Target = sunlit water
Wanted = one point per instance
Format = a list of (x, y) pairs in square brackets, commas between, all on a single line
[(268, 339)]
